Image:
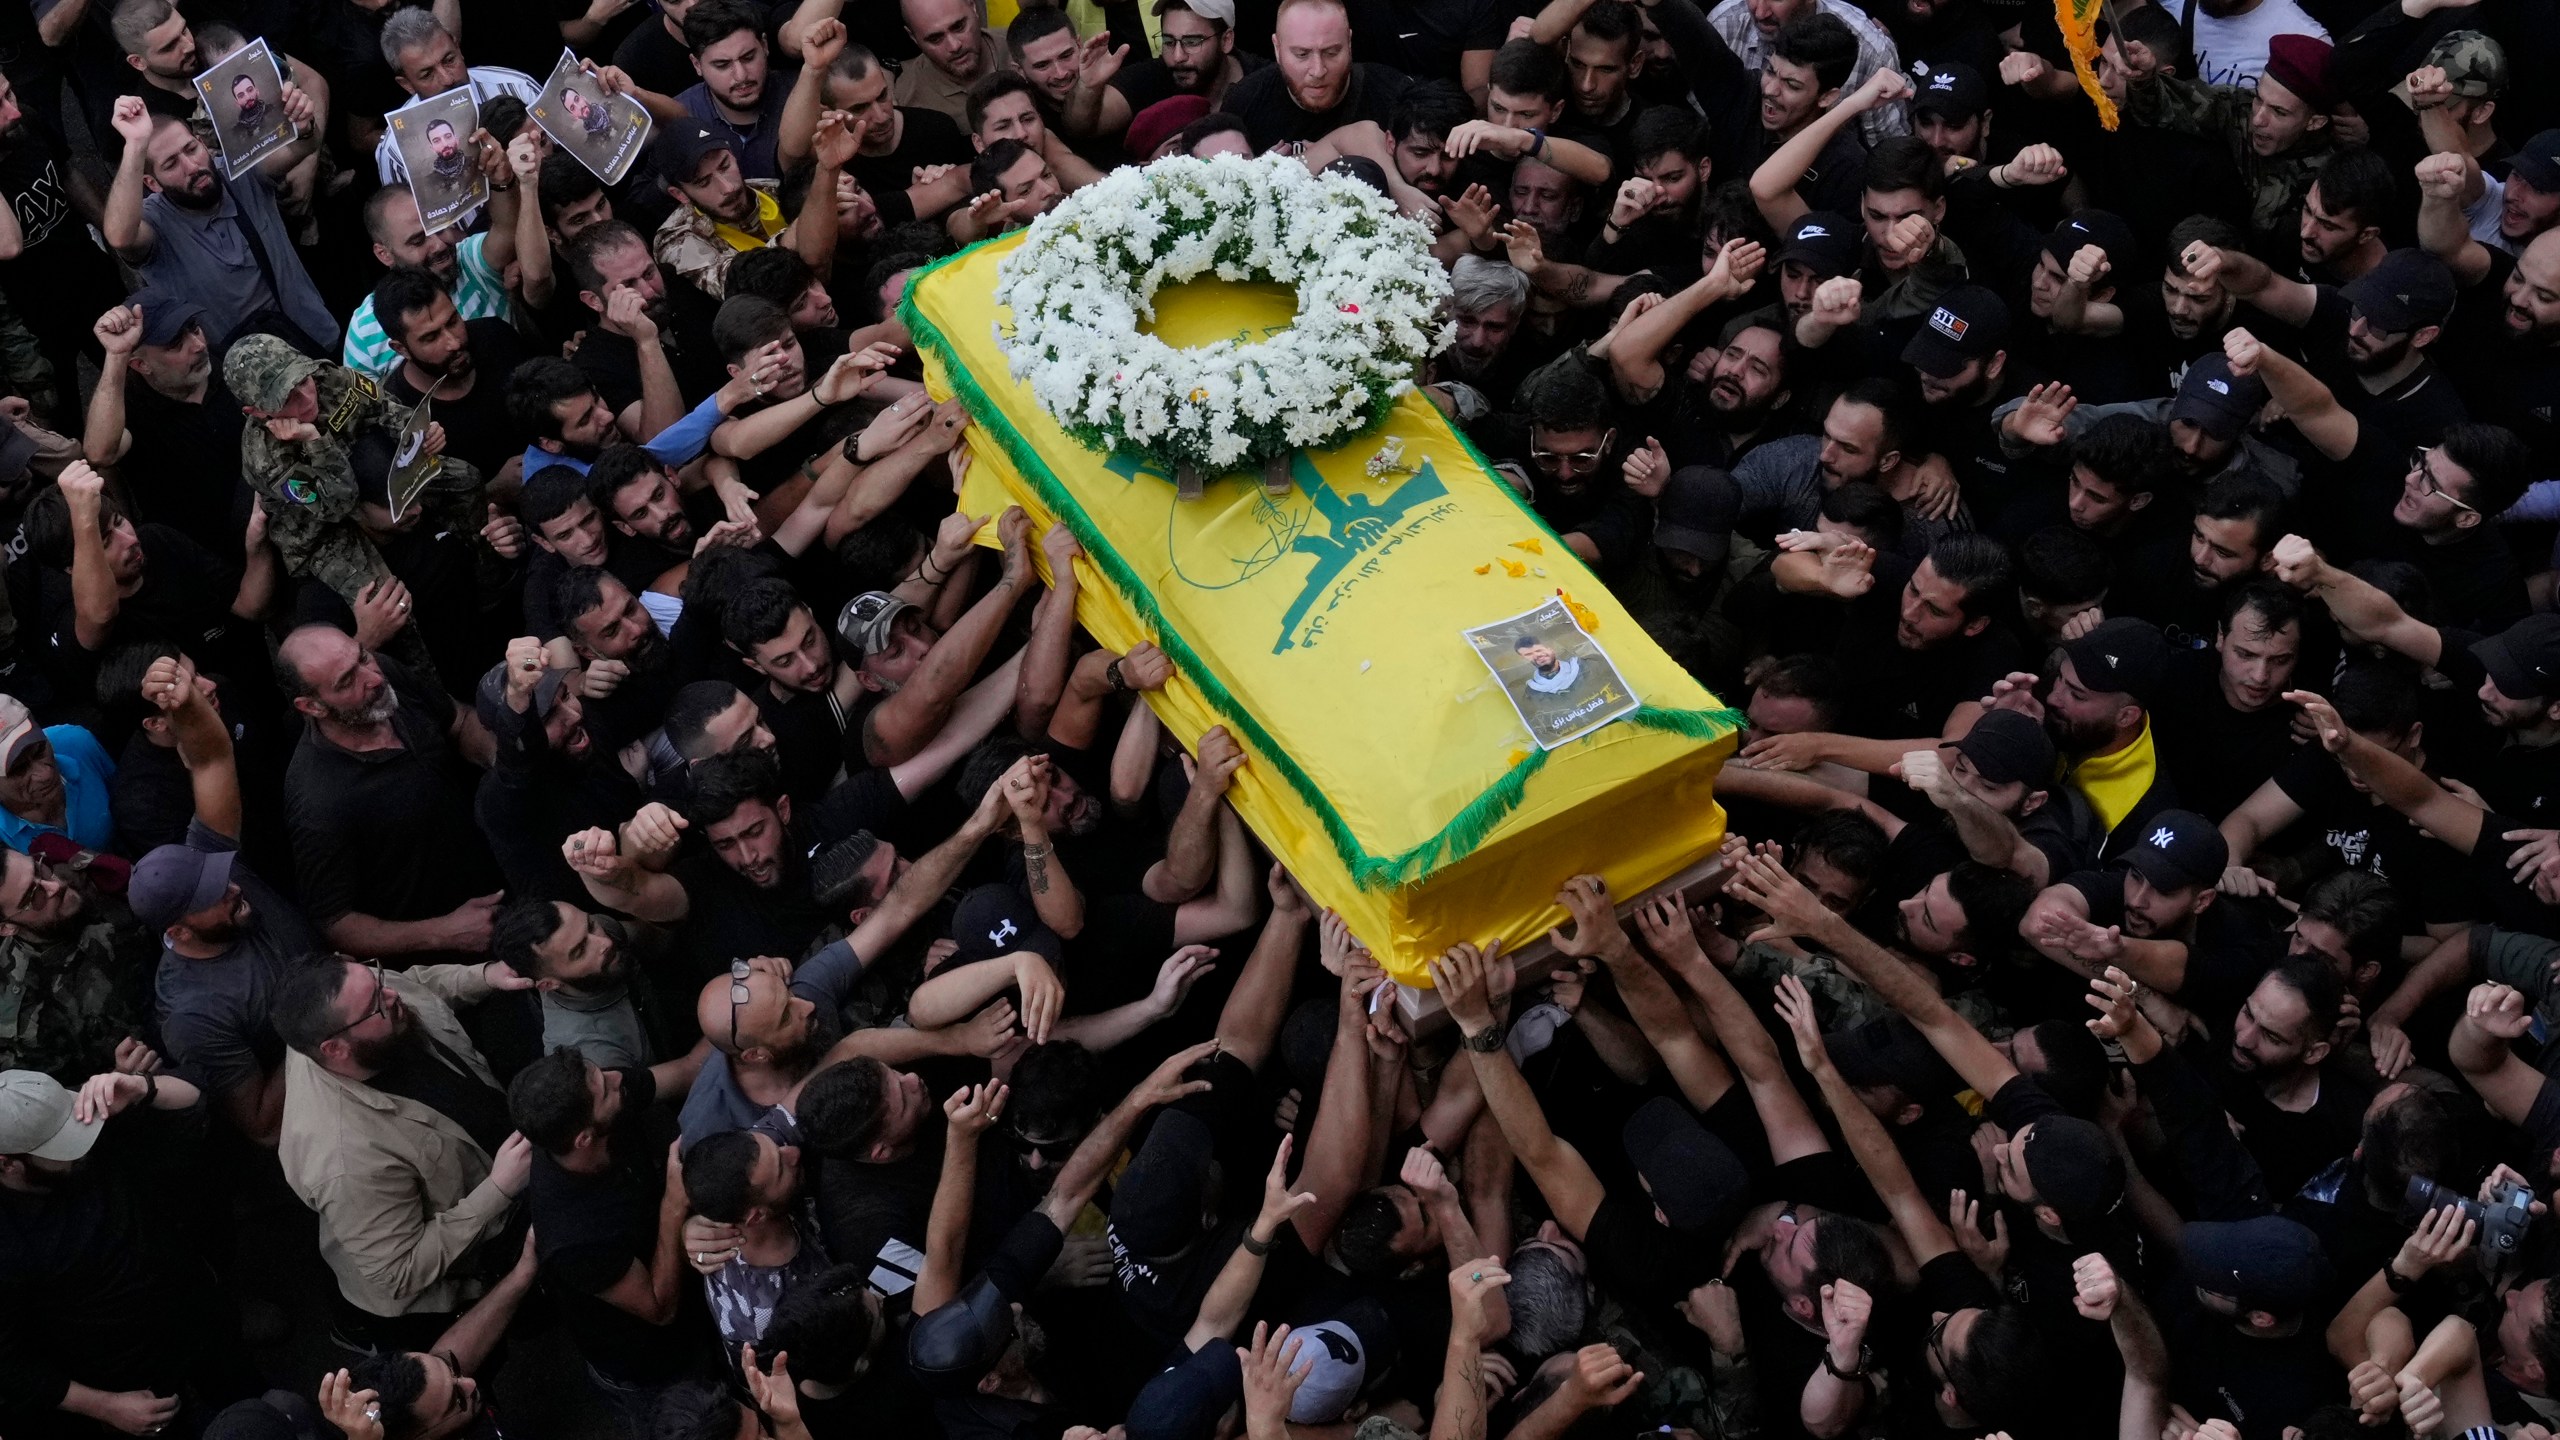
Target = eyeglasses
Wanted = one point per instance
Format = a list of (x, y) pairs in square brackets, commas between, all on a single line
[(2427, 481), (1937, 1342), (1188, 42), (381, 1002), (739, 995), (1576, 458)]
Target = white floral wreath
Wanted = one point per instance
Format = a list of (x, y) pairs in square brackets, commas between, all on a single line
[(1371, 310)]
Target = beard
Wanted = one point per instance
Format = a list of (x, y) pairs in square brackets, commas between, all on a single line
[(826, 1027), (405, 1041), (2078, 737), (382, 707)]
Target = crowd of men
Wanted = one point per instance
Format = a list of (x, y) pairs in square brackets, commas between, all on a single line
[(644, 879)]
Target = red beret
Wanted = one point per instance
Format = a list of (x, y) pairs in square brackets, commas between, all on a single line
[(1160, 122), (2300, 63)]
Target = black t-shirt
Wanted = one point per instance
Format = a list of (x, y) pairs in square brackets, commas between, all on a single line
[(1145, 82), (387, 833), (2505, 380), (613, 363), (809, 737), (185, 600), (656, 60), (476, 424), (1272, 115), (2516, 779), (60, 280), (2215, 755), (2290, 1146), (2372, 837), (728, 916), (1423, 39), (928, 137), (589, 1231), (863, 1207), (183, 468), (1905, 693), (1638, 1259), (2502, 901)]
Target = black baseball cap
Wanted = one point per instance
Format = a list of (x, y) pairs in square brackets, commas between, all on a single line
[(951, 1347), (2216, 401), (1968, 323), (2523, 660), (1694, 513), (995, 919), (2101, 228), (681, 148), (1695, 1178), (2180, 850), (2074, 1168), (1824, 243), (166, 314), (1949, 89), (2123, 655), (2007, 748), (2539, 162), (1186, 1399), (2408, 290), (2266, 1262)]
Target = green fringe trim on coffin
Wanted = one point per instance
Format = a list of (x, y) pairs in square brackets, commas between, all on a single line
[(1465, 831)]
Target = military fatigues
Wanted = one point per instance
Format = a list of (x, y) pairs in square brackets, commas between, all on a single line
[(66, 999), (1841, 1000), (309, 486), (2276, 183)]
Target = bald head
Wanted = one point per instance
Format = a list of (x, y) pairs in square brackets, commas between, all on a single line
[(2533, 291)]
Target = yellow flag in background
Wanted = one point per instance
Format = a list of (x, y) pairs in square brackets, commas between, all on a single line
[(1388, 765), (2079, 22)]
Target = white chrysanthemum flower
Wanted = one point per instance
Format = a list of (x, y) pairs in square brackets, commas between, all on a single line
[(1371, 303)]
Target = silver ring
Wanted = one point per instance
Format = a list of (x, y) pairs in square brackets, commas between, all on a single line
[(373, 1412)]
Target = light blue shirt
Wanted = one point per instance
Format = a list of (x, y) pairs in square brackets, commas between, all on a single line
[(85, 772), (676, 445)]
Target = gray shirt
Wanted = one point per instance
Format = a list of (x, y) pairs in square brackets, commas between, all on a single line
[(602, 1026), (206, 256), (214, 1013)]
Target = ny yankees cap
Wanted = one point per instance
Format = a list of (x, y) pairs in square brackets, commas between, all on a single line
[(1968, 323), (2180, 850)]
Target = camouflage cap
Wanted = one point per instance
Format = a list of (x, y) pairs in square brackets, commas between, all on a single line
[(2475, 64), (262, 371)]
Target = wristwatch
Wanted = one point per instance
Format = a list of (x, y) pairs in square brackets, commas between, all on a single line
[(1860, 1373), (1488, 1039)]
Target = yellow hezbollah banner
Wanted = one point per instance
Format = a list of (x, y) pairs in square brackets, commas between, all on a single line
[(1374, 643)]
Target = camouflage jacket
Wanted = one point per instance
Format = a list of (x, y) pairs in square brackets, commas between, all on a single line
[(66, 999), (311, 484), (1841, 1000), (2276, 183)]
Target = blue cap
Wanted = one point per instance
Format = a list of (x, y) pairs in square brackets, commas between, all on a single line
[(2266, 1263)]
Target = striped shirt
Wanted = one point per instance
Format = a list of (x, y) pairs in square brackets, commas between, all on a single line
[(1732, 21), (478, 294)]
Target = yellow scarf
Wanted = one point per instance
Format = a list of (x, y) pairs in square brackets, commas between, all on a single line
[(2115, 783), (768, 224)]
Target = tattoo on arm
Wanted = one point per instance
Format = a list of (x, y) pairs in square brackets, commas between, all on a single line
[(1036, 869)]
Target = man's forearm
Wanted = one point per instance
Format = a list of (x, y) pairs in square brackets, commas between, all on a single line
[(905, 721), (661, 399), (123, 226), (102, 438), (94, 601), (1191, 846), (813, 230), (1045, 663)]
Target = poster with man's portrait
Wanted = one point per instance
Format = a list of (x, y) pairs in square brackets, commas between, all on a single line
[(243, 94), (1557, 676), (411, 466), (434, 138), (604, 132)]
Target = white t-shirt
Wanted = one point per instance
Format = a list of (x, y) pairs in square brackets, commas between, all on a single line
[(2233, 50)]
